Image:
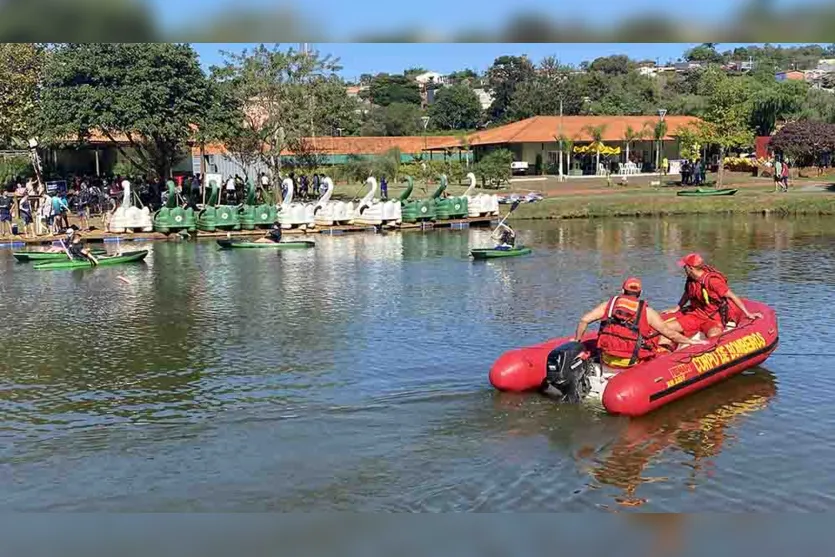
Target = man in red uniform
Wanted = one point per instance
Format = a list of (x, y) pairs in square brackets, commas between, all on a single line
[(630, 328), (705, 306)]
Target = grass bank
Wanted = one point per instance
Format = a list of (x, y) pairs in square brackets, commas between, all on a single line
[(661, 203)]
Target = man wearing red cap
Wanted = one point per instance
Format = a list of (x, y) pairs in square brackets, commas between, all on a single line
[(704, 305), (630, 328)]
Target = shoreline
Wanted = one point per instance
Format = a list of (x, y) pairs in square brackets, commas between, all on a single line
[(659, 204)]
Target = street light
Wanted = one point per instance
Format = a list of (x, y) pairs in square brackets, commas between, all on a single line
[(661, 113), (425, 120)]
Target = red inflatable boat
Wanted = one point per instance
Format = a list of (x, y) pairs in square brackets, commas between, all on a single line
[(567, 369)]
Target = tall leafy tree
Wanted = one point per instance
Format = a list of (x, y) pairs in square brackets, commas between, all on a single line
[(389, 89), (776, 102), (283, 97), (21, 68), (455, 108), (541, 95), (504, 77), (149, 93), (726, 118)]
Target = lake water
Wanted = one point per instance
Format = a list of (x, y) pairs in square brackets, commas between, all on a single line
[(353, 376)]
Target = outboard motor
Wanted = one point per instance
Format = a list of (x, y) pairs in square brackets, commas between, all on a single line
[(567, 372)]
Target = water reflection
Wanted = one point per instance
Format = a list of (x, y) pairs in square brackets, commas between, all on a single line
[(699, 427), (617, 454), (353, 376)]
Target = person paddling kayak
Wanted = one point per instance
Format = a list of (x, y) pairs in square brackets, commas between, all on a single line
[(708, 304), (76, 247), (272, 237), (506, 237)]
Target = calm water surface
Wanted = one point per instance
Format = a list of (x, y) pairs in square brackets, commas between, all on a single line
[(354, 377)]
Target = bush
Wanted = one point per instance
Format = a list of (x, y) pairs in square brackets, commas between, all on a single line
[(494, 168)]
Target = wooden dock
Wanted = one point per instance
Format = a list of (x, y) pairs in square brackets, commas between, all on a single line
[(96, 236)]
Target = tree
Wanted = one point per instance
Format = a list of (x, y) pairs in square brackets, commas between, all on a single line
[(389, 89), (596, 134), (689, 140), (705, 52), (776, 102), (403, 119), (805, 141), (503, 77), (467, 76), (222, 121), (494, 168), (541, 95), (412, 72), (630, 135), (388, 164), (149, 93), (658, 130), (612, 65), (455, 108), (333, 109), (726, 118), (21, 67), (282, 98), (397, 119)]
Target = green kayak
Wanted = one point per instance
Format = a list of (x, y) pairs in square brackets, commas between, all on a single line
[(491, 253), (126, 257), (233, 244), (26, 256), (705, 192)]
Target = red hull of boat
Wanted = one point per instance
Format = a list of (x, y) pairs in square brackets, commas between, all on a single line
[(645, 387)]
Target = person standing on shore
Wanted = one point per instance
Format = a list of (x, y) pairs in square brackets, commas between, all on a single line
[(778, 174), (784, 177)]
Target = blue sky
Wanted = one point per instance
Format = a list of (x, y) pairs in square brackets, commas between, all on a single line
[(359, 58)]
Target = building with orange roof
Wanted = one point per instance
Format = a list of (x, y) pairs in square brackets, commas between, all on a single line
[(534, 142), (333, 150)]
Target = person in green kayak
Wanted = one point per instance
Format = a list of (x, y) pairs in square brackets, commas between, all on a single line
[(76, 248), (272, 237), (506, 237)]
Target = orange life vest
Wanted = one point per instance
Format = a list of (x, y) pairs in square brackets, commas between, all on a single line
[(625, 330), (700, 296)]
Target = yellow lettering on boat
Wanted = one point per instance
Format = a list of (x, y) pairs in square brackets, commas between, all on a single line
[(727, 353)]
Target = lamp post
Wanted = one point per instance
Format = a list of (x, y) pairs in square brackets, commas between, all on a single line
[(661, 113), (425, 120)]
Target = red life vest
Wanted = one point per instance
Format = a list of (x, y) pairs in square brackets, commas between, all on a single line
[(625, 329), (701, 297)]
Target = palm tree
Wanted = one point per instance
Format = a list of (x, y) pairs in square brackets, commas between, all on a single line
[(596, 133), (659, 132), (630, 135)]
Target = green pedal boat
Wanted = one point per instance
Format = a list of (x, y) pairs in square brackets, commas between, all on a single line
[(126, 257), (233, 244), (27, 256), (706, 192), (492, 253)]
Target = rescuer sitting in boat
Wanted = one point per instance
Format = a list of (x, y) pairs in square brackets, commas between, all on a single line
[(76, 247), (272, 237), (507, 237), (629, 329), (704, 306)]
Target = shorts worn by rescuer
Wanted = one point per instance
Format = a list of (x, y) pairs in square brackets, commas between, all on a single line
[(629, 328), (708, 305)]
